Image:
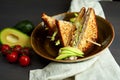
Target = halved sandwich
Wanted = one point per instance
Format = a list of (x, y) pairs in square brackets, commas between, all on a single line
[(86, 34), (81, 34), (65, 31), (61, 30)]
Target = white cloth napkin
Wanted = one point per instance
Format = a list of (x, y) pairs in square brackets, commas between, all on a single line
[(102, 67)]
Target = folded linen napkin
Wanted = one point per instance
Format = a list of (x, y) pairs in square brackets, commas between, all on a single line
[(102, 67)]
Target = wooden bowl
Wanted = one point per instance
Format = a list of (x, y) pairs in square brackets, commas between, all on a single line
[(44, 48)]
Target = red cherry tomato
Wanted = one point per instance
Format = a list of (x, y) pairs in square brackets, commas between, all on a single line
[(24, 60), (5, 49), (17, 48), (12, 57)]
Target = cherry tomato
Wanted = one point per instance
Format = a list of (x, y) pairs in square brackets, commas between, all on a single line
[(17, 48), (25, 51), (24, 60), (5, 49), (12, 57)]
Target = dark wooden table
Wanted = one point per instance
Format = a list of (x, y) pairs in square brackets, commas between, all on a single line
[(12, 11)]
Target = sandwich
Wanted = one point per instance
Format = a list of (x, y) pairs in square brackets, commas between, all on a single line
[(61, 30), (79, 32), (65, 31), (86, 34)]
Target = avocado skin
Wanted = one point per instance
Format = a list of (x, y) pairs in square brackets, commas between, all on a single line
[(23, 39), (25, 26)]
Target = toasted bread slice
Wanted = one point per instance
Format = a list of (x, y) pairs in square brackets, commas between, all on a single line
[(65, 31), (89, 31), (49, 21)]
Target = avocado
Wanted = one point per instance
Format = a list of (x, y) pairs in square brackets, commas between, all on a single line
[(13, 37), (25, 26)]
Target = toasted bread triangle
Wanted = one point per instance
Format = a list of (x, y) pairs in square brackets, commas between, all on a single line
[(65, 30), (49, 21)]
